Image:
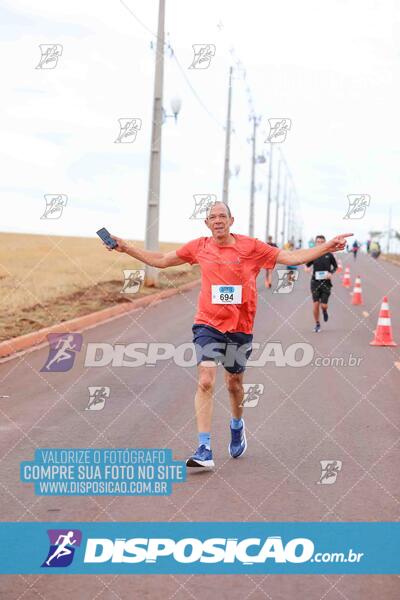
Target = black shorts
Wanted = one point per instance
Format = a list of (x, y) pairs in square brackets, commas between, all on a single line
[(320, 290), (230, 349)]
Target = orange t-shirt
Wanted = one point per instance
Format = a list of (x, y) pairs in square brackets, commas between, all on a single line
[(237, 264)]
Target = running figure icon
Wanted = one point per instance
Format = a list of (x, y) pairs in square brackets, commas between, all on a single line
[(63, 346), (62, 549)]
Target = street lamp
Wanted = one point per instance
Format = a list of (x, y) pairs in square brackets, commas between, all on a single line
[(235, 172), (176, 104)]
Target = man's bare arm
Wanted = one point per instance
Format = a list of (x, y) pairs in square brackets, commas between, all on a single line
[(161, 260), (299, 257)]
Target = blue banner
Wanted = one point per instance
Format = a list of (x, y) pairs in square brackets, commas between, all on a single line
[(214, 548)]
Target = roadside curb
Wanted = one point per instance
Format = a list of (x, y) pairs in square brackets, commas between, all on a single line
[(10, 347)]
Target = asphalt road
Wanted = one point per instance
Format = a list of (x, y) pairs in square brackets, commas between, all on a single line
[(305, 415)]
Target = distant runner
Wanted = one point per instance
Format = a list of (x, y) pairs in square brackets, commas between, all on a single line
[(321, 284), (375, 249), (268, 272), (227, 303), (355, 248), (292, 268)]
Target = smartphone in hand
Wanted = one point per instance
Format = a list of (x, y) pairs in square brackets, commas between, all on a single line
[(104, 235)]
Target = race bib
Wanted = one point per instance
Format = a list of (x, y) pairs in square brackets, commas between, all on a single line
[(321, 275), (226, 294)]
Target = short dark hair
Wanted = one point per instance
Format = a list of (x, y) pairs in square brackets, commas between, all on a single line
[(228, 210), (321, 237)]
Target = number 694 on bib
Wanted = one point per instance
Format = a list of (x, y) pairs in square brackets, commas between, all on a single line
[(226, 294)]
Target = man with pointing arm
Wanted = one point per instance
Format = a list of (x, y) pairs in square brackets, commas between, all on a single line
[(223, 325)]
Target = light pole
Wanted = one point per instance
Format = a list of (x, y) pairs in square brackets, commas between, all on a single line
[(153, 197), (289, 217), (277, 202), (284, 210), (159, 117), (389, 231), (271, 146), (256, 121), (225, 191), (292, 220)]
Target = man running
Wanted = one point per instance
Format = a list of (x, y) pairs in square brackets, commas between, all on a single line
[(323, 268), (223, 325)]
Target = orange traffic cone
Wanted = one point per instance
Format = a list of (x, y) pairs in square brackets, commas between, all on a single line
[(339, 267), (346, 281), (357, 292), (383, 332)]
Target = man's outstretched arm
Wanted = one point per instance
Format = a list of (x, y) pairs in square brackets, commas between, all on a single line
[(161, 260), (299, 257)]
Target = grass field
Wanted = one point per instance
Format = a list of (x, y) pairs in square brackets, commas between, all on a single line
[(48, 279)]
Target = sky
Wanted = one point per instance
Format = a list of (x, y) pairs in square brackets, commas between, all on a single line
[(331, 68)]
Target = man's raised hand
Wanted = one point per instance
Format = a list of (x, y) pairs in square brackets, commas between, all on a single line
[(339, 242), (121, 244)]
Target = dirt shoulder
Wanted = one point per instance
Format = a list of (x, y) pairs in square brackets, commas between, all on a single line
[(393, 258), (85, 301), (45, 280)]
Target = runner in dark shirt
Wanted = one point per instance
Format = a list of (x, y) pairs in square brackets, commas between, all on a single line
[(321, 284), (355, 248)]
